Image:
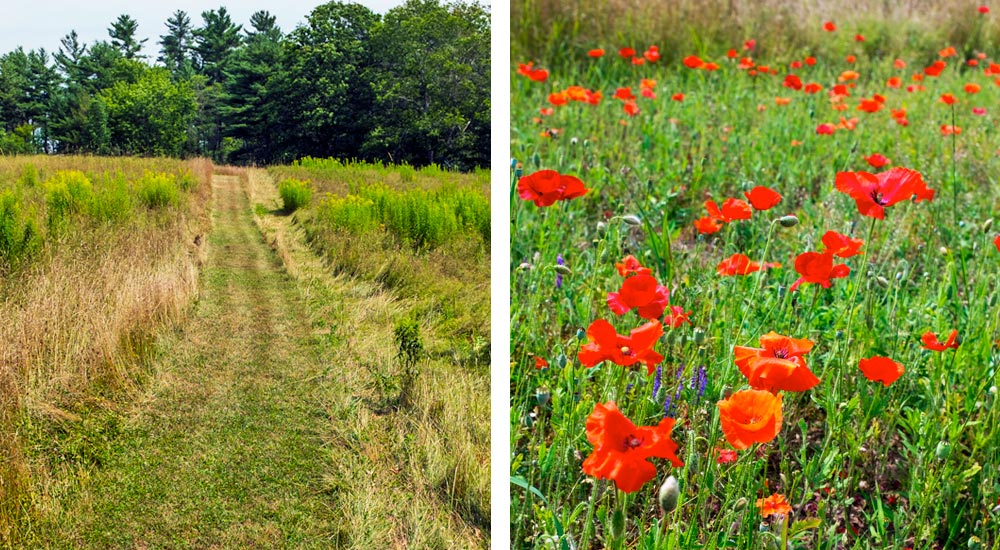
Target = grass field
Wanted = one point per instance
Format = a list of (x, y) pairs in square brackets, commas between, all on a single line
[(743, 420)]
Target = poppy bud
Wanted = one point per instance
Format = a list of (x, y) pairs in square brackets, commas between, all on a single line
[(669, 493), (518, 171), (602, 228), (513, 164), (536, 160), (975, 543), (562, 270), (618, 524), (581, 334), (632, 220), (740, 504), (987, 225), (699, 336), (542, 395), (561, 360), (788, 221), (943, 450), (993, 390), (943, 250), (882, 281)]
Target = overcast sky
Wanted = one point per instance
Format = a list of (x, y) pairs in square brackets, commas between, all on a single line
[(43, 23)]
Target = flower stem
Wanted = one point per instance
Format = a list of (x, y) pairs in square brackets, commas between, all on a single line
[(758, 283), (854, 295), (954, 172)]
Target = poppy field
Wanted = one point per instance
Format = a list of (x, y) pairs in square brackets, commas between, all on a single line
[(754, 295)]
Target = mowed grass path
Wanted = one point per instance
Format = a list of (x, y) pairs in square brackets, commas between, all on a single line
[(228, 449)]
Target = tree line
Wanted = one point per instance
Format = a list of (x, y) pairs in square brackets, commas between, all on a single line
[(410, 86)]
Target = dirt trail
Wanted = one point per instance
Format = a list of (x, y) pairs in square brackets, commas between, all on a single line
[(227, 451)]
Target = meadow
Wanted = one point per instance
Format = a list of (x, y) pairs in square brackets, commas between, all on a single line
[(754, 280)]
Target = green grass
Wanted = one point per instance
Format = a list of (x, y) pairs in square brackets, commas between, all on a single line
[(907, 465)]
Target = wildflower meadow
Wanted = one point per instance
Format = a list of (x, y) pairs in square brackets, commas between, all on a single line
[(754, 292)]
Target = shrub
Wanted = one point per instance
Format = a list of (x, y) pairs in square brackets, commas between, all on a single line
[(295, 194), (29, 176), (113, 201), (19, 237), (157, 190), (69, 193)]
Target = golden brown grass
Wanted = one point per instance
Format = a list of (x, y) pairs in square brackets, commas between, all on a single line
[(79, 319), (548, 29)]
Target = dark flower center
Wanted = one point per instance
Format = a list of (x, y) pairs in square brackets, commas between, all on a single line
[(631, 442), (877, 197), (781, 353)]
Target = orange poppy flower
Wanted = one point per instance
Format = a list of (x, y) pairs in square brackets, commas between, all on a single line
[(693, 62), (877, 160), (596, 52), (842, 245), (829, 26), (677, 97), (604, 344), (948, 129), (812, 88), (931, 341), (546, 111), (630, 265), (840, 90), (793, 82), (851, 59), (707, 225), (874, 192), (848, 124), (773, 505), (626, 53), (947, 99), (740, 264), (894, 82), (762, 198), (647, 83), (899, 113), (881, 369), (899, 64), (732, 209), (622, 450), (711, 67), (750, 416), (538, 75), (545, 187), (848, 75), (631, 109), (948, 52), (972, 88), (818, 268), (638, 61), (558, 98), (642, 293), (870, 106), (777, 365), (935, 69), (624, 94)]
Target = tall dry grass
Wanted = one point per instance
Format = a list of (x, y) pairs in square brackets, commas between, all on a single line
[(79, 319), (558, 30)]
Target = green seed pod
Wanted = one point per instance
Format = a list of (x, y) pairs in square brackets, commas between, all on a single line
[(543, 396), (943, 450), (669, 493), (632, 220), (788, 221), (882, 281), (562, 269), (699, 336)]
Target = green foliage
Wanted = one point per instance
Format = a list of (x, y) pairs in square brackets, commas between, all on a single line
[(69, 193), (409, 345), (112, 201), (157, 190), (19, 235), (29, 176), (150, 116), (295, 194)]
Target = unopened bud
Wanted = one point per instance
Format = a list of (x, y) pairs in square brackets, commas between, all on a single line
[(699, 336), (943, 450), (632, 220), (740, 504), (882, 281), (669, 493), (788, 221), (602, 228), (987, 225), (562, 270), (542, 395)]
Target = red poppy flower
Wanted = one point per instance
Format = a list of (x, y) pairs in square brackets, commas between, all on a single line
[(596, 52), (607, 345), (935, 69), (810, 61), (947, 99), (626, 52), (996, 242), (877, 160), (793, 82), (725, 456), (731, 54), (842, 245), (773, 505), (859, 38), (740, 264), (812, 88), (972, 88), (983, 9), (850, 59), (652, 54), (711, 67), (677, 317), (622, 450), (931, 341), (818, 268), (874, 192), (777, 365), (642, 293), (707, 225), (825, 129), (894, 82), (881, 369), (899, 64), (677, 97), (541, 363), (993, 69), (648, 93), (630, 265), (979, 111), (749, 44), (693, 62), (795, 64), (732, 209), (870, 105), (545, 187), (948, 52), (538, 75), (762, 198), (829, 26), (948, 129), (638, 61), (624, 94), (631, 109), (750, 416)]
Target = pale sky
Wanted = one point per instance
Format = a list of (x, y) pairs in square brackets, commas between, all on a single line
[(43, 23)]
